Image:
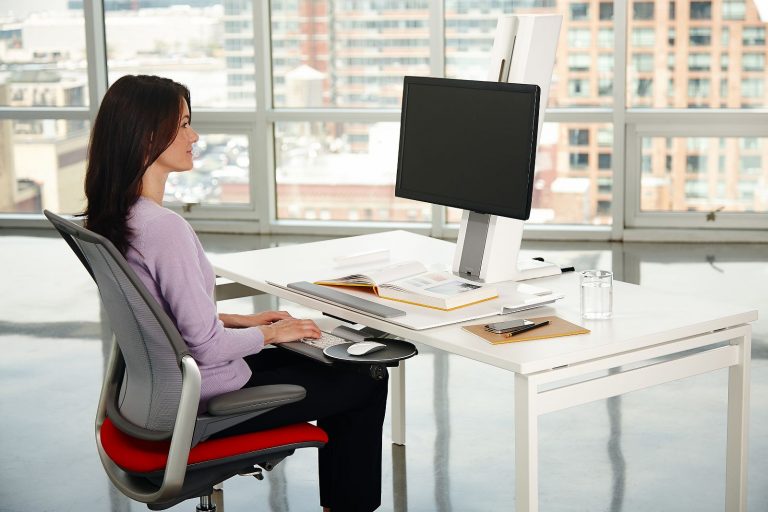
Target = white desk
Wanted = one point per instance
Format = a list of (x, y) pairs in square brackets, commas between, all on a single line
[(652, 338)]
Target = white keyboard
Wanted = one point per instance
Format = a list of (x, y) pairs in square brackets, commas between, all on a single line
[(324, 341)]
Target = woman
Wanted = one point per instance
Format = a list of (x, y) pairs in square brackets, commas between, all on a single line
[(142, 133)]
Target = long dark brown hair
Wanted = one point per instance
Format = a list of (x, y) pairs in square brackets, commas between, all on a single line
[(138, 119)]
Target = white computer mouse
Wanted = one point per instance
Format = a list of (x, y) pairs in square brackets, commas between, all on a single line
[(364, 347)]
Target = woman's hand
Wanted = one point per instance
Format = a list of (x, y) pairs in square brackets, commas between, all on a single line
[(290, 329), (254, 320), (268, 317)]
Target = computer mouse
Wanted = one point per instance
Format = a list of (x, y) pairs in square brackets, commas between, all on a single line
[(364, 347)]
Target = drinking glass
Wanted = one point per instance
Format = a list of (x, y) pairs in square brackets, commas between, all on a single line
[(596, 294)]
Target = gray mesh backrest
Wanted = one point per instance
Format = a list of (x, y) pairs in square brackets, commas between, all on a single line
[(151, 386)]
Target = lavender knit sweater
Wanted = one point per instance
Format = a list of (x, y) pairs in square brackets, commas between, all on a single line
[(168, 258)]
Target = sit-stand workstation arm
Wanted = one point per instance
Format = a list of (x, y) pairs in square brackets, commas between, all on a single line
[(488, 245)]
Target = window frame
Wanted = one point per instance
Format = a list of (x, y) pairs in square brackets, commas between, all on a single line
[(689, 124)]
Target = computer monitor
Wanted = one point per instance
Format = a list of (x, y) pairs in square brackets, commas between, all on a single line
[(469, 144), (472, 145)]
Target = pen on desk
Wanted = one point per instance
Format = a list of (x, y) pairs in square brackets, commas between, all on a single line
[(526, 328)]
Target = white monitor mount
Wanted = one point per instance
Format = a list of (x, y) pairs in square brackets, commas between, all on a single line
[(488, 246)]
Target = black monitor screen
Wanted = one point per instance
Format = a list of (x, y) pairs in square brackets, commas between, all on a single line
[(468, 144)]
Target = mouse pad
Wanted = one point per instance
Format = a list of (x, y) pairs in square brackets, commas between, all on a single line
[(395, 351)]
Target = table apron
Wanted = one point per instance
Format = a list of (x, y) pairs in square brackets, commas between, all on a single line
[(618, 381)]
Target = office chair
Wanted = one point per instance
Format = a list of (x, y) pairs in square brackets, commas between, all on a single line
[(152, 442)]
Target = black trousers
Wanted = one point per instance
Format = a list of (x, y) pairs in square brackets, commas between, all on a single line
[(349, 405)]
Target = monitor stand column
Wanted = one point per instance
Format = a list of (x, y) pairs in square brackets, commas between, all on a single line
[(488, 251)]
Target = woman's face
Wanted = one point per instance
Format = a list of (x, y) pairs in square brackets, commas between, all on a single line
[(178, 156)]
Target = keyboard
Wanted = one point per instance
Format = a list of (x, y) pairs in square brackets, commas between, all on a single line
[(324, 341)]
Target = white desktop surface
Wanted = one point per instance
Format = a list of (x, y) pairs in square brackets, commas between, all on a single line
[(641, 317), (651, 339)]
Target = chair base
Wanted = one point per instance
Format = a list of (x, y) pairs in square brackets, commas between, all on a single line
[(207, 504)]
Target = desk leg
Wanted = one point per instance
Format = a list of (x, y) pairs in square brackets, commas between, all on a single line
[(737, 456), (526, 446), (397, 380)]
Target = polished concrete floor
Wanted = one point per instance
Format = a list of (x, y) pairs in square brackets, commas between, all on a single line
[(661, 449)]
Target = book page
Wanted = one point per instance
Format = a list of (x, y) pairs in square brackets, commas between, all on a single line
[(378, 276), (440, 284)]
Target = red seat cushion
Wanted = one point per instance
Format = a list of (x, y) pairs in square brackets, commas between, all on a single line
[(140, 456)]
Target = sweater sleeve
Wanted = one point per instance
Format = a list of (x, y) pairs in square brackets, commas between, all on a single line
[(176, 263)]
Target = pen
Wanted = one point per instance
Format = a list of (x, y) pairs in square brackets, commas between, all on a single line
[(527, 328)]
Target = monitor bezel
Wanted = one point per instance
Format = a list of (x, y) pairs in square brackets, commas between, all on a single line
[(456, 202)]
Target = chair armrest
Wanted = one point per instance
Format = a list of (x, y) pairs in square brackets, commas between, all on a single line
[(255, 399)]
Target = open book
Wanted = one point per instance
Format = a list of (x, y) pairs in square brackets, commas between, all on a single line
[(410, 282)]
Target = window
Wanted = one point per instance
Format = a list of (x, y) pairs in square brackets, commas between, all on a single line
[(606, 11), (642, 10), (318, 168), (644, 87), (642, 62), (753, 62), (349, 58), (698, 87), (699, 62), (752, 88), (605, 62), (605, 38), (604, 87), (579, 62), (696, 164), (579, 38), (734, 9), (44, 164), (751, 165), (578, 87), (697, 143), (646, 164), (644, 37), (753, 36), (604, 137), (578, 160), (696, 189), (220, 175), (747, 143), (701, 10), (700, 36), (578, 137), (191, 44), (579, 12), (314, 75)]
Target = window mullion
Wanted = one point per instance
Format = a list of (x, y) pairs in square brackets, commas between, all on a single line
[(437, 69), (96, 53), (262, 183), (620, 188)]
